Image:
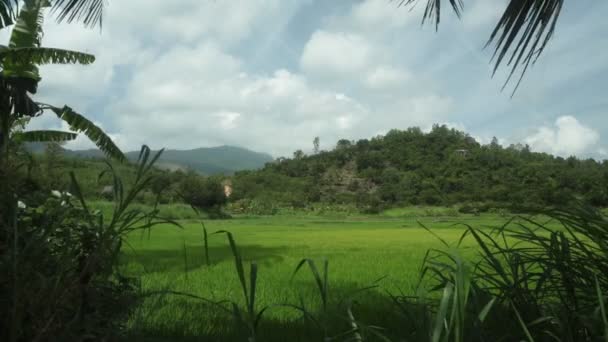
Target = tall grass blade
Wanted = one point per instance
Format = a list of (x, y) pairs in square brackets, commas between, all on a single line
[(238, 261), (185, 260), (441, 318), (353, 323), (206, 243), (320, 281), (486, 310), (253, 277), (522, 323), (600, 298)]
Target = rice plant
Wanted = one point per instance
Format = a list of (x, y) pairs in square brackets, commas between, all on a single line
[(248, 317), (549, 281)]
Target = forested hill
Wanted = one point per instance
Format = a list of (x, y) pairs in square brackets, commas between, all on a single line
[(443, 166), (206, 160)]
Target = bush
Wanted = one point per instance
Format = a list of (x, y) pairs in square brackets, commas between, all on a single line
[(253, 207), (58, 274), (206, 194), (474, 208), (440, 212), (369, 203)]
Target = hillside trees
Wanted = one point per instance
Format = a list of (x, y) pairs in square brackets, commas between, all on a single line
[(441, 167)]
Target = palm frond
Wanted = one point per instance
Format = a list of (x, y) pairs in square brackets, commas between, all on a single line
[(523, 31), (44, 136), (433, 9), (81, 124), (90, 12), (533, 21), (8, 10), (39, 56)]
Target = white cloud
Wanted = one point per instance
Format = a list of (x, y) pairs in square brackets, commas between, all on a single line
[(384, 77), (164, 22), (567, 137), (261, 74), (210, 100), (483, 13), (228, 120), (336, 53), (374, 14)]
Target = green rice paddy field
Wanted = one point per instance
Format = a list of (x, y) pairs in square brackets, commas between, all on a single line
[(385, 251)]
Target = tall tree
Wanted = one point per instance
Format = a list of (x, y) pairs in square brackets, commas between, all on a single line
[(315, 145)]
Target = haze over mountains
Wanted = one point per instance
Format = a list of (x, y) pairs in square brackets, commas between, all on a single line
[(206, 160)]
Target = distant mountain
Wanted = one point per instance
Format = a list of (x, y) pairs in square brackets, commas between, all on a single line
[(211, 160), (206, 160)]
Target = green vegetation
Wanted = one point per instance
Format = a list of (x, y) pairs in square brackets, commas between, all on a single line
[(206, 194), (459, 279), (57, 264), (441, 167), (323, 247), (360, 250)]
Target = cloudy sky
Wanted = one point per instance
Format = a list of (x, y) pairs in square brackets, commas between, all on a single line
[(270, 75)]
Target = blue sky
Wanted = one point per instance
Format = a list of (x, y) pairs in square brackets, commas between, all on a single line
[(270, 75)]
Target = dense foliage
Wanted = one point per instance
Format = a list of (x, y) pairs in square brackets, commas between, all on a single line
[(59, 269), (202, 193), (441, 167)]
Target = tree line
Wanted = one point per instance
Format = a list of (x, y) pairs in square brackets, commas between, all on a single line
[(442, 167)]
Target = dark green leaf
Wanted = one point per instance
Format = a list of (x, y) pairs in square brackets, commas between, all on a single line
[(44, 136), (81, 124), (40, 56)]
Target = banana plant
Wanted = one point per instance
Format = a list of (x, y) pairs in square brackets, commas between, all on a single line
[(19, 79), (87, 11)]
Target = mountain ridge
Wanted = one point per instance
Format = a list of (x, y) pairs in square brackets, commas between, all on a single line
[(224, 159)]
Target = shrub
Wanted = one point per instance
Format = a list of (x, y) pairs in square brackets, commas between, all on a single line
[(369, 203), (253, 207), (58, 274), (206, 194)]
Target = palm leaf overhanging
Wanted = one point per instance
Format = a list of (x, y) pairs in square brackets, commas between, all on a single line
[(8, 8), (19, 77), (433, 9), (523, 31), (534, 21), (89, 12)]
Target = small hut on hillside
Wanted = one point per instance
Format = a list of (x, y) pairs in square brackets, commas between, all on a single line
[(462, 152)]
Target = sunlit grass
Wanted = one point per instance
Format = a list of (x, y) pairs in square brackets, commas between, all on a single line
[(360, 252)]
